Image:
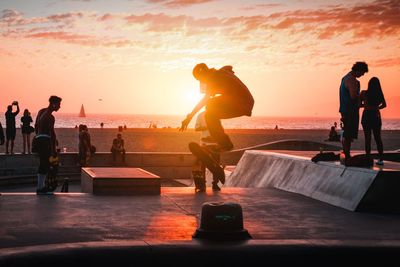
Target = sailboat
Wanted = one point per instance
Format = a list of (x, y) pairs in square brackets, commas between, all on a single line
[(82, 112)]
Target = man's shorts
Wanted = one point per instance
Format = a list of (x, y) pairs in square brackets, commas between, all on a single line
[(10, 133), (350, 124)]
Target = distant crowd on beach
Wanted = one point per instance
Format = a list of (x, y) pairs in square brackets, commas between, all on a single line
[(11, 130), (85, 147)]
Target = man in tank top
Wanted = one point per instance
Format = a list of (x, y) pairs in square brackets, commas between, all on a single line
[(349, 94), (46, 140)]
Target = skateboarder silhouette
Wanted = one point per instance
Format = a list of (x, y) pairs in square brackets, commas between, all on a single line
[(199, 168), (226, 96)]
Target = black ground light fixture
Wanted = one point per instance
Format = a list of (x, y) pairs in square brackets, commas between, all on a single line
[(221, 221)]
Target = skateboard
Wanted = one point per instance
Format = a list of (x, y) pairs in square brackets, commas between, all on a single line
[(51, 180), (204, 156)]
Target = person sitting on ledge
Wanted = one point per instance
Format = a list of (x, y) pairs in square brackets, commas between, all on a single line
[(118, 148), (333, 135)]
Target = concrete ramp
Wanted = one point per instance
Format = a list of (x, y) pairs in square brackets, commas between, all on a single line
[(347, 187)]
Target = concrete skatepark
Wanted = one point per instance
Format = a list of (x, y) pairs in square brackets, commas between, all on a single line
[(295, 210)]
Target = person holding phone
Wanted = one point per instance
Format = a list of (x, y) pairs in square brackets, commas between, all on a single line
[(10, 126), (26, 130)]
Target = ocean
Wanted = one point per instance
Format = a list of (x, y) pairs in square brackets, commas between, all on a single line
[(65, 120)]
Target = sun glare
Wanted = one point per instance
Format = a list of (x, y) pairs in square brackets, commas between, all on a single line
[(193, 96)]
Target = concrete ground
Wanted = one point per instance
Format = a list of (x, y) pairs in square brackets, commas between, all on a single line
[(28, 219), (269, 214), (286, 229)]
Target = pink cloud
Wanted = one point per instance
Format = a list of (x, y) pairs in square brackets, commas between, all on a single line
[(107, 17), (86, 40), (4, 52), (262, 6), (158, 22), (179, 3), (379, 18), (387, 62), (65, 16)]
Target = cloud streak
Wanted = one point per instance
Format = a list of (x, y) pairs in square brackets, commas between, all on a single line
[(179, 3), (290, 35), (377, 19), (85, 40)]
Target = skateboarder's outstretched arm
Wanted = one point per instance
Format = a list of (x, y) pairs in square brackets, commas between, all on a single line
[(189, 117)]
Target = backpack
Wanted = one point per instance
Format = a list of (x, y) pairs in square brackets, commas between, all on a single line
[(327, 156)]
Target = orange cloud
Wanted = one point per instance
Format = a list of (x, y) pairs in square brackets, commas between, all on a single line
[(179, 3), (158, 22), (379, 18), (4, 52), (387, 62), (266, 6), (86, 40), (65, 17), (376, 19), (106, 17)]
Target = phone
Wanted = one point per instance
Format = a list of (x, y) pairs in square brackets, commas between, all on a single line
[(15, 103)]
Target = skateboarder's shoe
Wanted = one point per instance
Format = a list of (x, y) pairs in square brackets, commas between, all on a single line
[(205, 157), (199, 181), (215, 187), (200, 189), (220, 175)]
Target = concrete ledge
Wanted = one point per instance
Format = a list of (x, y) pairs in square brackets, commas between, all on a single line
[(165, 164), (347, 187), (119, 181)]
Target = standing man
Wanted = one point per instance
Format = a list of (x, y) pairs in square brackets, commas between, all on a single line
[(10, 126), (226, 97), (349, 93), (46, 140)]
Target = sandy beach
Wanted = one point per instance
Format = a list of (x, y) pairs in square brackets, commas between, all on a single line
[(171, 140)]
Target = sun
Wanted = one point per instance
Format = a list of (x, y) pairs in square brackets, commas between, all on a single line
[(193, 96)]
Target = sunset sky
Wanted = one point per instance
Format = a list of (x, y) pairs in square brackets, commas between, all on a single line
[(136, 56)]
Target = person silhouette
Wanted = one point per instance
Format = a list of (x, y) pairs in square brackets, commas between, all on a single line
[(333, 135), (84, 145), (373, 100), (118, 147), (26, 130), (46, 141), (226, 96), (349, 92), (198, 168), (10, 126)]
